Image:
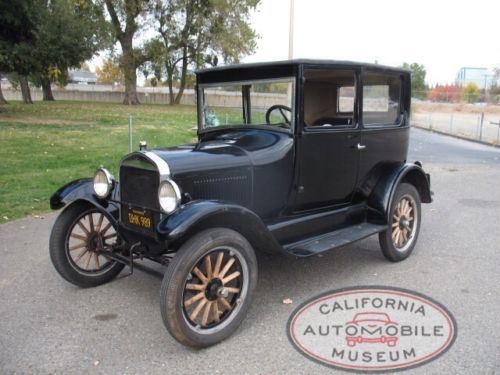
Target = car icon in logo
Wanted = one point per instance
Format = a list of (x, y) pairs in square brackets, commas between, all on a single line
[(371, 327)]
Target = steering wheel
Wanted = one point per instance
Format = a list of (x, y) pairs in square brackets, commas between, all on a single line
[(282, 109)]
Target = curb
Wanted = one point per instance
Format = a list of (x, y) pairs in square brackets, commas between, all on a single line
[(456, 136)]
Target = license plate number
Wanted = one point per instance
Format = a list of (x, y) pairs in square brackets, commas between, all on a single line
[(139, 218)]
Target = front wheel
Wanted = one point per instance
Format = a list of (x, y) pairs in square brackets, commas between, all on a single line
[(397, 242), (78, 243), (208, 287)]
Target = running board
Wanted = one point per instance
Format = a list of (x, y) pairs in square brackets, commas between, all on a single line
[(328, 241)]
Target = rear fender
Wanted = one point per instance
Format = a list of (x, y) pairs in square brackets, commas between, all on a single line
[(201, 214), (380, 199)]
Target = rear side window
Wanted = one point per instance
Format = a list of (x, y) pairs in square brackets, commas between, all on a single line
[(381, 99)]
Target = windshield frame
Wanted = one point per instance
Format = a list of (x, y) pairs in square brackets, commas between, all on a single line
[(201, 104)]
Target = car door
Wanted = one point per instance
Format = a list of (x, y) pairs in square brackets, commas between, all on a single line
[(384, 117), (327, 148)]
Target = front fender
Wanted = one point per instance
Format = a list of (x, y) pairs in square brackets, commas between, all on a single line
[(82, 189), (201, 214), (381, 196)]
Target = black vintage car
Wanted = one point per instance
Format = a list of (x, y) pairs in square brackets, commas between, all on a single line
[(295, 157)]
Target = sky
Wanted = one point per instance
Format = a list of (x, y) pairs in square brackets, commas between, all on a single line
[(442, 35)]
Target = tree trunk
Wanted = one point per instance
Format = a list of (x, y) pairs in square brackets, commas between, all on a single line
[(170, 81), (183, 76), (2, 99), (129, 72), (47, 89), (25, 90)]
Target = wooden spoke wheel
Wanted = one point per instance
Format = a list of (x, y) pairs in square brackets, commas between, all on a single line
[(208, 287), (213, 288), (403, 222), (91, 235), (398, 241), (80, 238)]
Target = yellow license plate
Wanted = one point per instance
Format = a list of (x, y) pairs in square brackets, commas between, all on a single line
[(139, 219)]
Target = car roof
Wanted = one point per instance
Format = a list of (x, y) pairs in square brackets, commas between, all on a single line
[(296, 62)]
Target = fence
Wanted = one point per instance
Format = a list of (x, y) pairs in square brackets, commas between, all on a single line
[(146, 95), (482, 126)]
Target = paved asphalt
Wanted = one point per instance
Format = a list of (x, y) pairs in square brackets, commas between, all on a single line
[(50, 326)]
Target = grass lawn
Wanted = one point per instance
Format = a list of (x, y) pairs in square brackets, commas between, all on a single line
[(47, 144)]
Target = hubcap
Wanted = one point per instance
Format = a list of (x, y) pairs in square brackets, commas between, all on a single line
[(404, 223), (212, 290)]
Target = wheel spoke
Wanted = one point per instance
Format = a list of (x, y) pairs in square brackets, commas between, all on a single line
[(395, 225), (200, 275), (88, 260), (97, 261), (395, 233), (224, 303), (109, 236), (198, 308), (204, 318), (80, 256), (233, 276), (226, 268), (405, 235), (91, 222), (99, 223), (79, 246), (193, 299), (218, 263), (78, 236), (106, 228), (195, 286), (208, 266), (216, 311), (80, 224), (232, 290), (398, 235)]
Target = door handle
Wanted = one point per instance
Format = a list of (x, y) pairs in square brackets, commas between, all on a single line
[(359, 146)]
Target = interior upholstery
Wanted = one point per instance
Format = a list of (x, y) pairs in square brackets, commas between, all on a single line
[(320, 97)]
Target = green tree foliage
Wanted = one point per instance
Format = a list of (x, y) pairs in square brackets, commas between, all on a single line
[(45, 38), (195, 33), (68, 33), (110, 72), (17, 35), (470, 92), (124, 15), (418, 86)]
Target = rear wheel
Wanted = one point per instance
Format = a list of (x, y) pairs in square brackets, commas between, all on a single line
[(78, 243), (398, 241), (208, 287)]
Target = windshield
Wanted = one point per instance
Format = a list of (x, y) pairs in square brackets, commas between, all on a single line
[(262, 102)]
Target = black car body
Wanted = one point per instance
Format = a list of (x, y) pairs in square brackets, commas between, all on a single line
[(321, 167)]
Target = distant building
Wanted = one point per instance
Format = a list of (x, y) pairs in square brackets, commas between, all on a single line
[(80, 76), (482, 77)]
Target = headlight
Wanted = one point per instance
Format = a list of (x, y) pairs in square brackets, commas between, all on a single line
[(103, 182), (169, 196)]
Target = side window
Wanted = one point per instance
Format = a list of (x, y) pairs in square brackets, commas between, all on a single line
[(329, 98), (381, 99), (345, 99)]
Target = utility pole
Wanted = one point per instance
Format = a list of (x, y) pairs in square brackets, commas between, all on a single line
[(290, 33)]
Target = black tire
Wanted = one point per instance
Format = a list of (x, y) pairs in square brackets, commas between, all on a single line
[(399, 247), (61, 253), (181, 276)]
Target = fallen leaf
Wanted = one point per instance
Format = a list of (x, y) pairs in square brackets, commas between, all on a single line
[(287, 301), (6, 218)]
